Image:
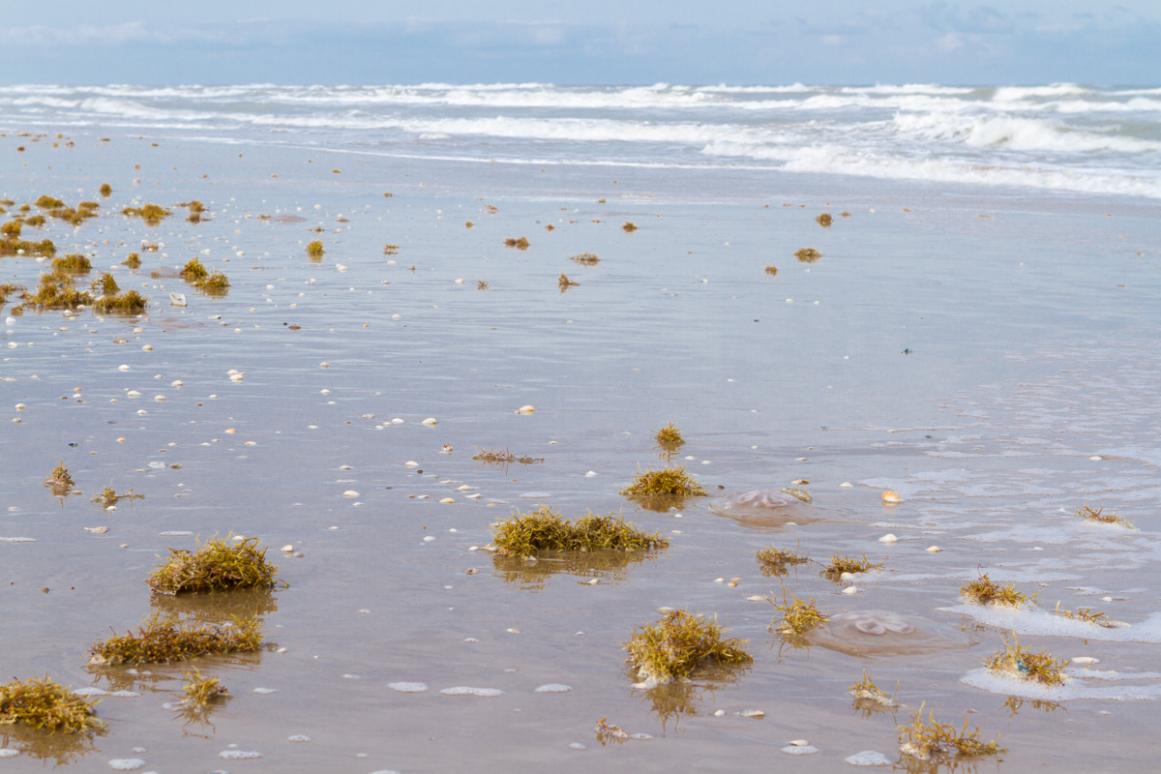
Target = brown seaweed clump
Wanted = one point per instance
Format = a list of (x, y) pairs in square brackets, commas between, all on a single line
[(825, 220), (1038, 667), (315, 250), (152, 214), (607, 733), (196, 274), (57, 291), (110, 497), (14, 246), (504, 457), (1099, 516), (1088, 615), (543, 530), (7, 289), (196, 210), (629, 227), (807, 254), (798, 618), (679, 645), (200, 692), (869, 697), (72, 264), (130, 303), (106, 190), (564, 283), (217, 565), (12, 228), (520, 243), (60, 480), (46, 705), (775, 562), (133, 261), (942, 743), (658, 489), (984, 591), (586, 259), (841, 565), (169, 640), (669, 439)]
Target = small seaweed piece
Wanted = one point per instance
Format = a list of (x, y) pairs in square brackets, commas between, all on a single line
[(847, 564), (133, 261), (678, 645), (984, 591), (169, 640), (201, 692), (109, 497), (586, 259), (824, 220), (606, 733), (57, 291), (504, 457), (656, 489), (315, 250), (669, 439), (773, 562), (482, 285), (60, 480), (1038, 667), (152, 214), (1088, 615), (390, 249), (1098, 515), (216, 565), (13, 246), (196, 210), (938, 742), (12, 228), (529, 534), (46, 202), (44, 704), (106, 284), (194, 271), (807, 254), (564, 283), (106, 190), (771, 269), (869, 697), (8, 289), (798, 617), (629, 227), (520, 243), (217, 284)]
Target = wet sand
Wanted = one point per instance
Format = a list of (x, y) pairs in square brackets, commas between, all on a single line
[(998, 372)]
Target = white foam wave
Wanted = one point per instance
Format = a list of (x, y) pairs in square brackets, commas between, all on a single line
[(1031, 620), (1073, 688), (1029, 134), (1015, 93)]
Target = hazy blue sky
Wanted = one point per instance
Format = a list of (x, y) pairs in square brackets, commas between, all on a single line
[(596, 41)]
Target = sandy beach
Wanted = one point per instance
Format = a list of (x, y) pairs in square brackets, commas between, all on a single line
[(988, 353)]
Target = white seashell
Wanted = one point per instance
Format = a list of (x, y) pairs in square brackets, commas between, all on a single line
[(719, 713), (97, 530), (526, 409), (889, 538), (464, 690), (851, 590), (288, 548), (891, 497), (122, 368), (408, 687), (430, 422), (350, 494), (447, 501), (933, 549), (553, 688), (178, 299), (1084, 660), (126, 764), (757, 714)]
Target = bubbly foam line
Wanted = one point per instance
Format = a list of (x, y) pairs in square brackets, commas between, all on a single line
[(1031, 620), (1007, 685)]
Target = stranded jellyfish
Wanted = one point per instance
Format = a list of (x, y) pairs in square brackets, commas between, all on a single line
[(770, 508), (878, 633)]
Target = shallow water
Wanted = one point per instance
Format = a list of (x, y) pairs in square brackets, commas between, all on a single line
[(998, 372)]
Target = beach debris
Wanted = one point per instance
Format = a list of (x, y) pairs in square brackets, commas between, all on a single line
[(152, 214), (1099, 516), (870, 697), (984, 591), (216, 565), (504, 457), (678, 645), (798, 617), (528, 534), (930, 740), (520, 243), (44, 704), (168, 640), (775, 562), (60, 480), (658, 489), (1039, 667), (807, 254), (846, 565), (586, 259), (669, 439)]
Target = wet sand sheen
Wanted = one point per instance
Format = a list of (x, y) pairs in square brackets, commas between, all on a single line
[(282, 397)]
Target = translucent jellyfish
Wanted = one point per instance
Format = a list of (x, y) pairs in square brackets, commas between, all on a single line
[(765, 508), (880, 633)]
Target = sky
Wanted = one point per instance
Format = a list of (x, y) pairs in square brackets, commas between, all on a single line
[(572, 42)]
